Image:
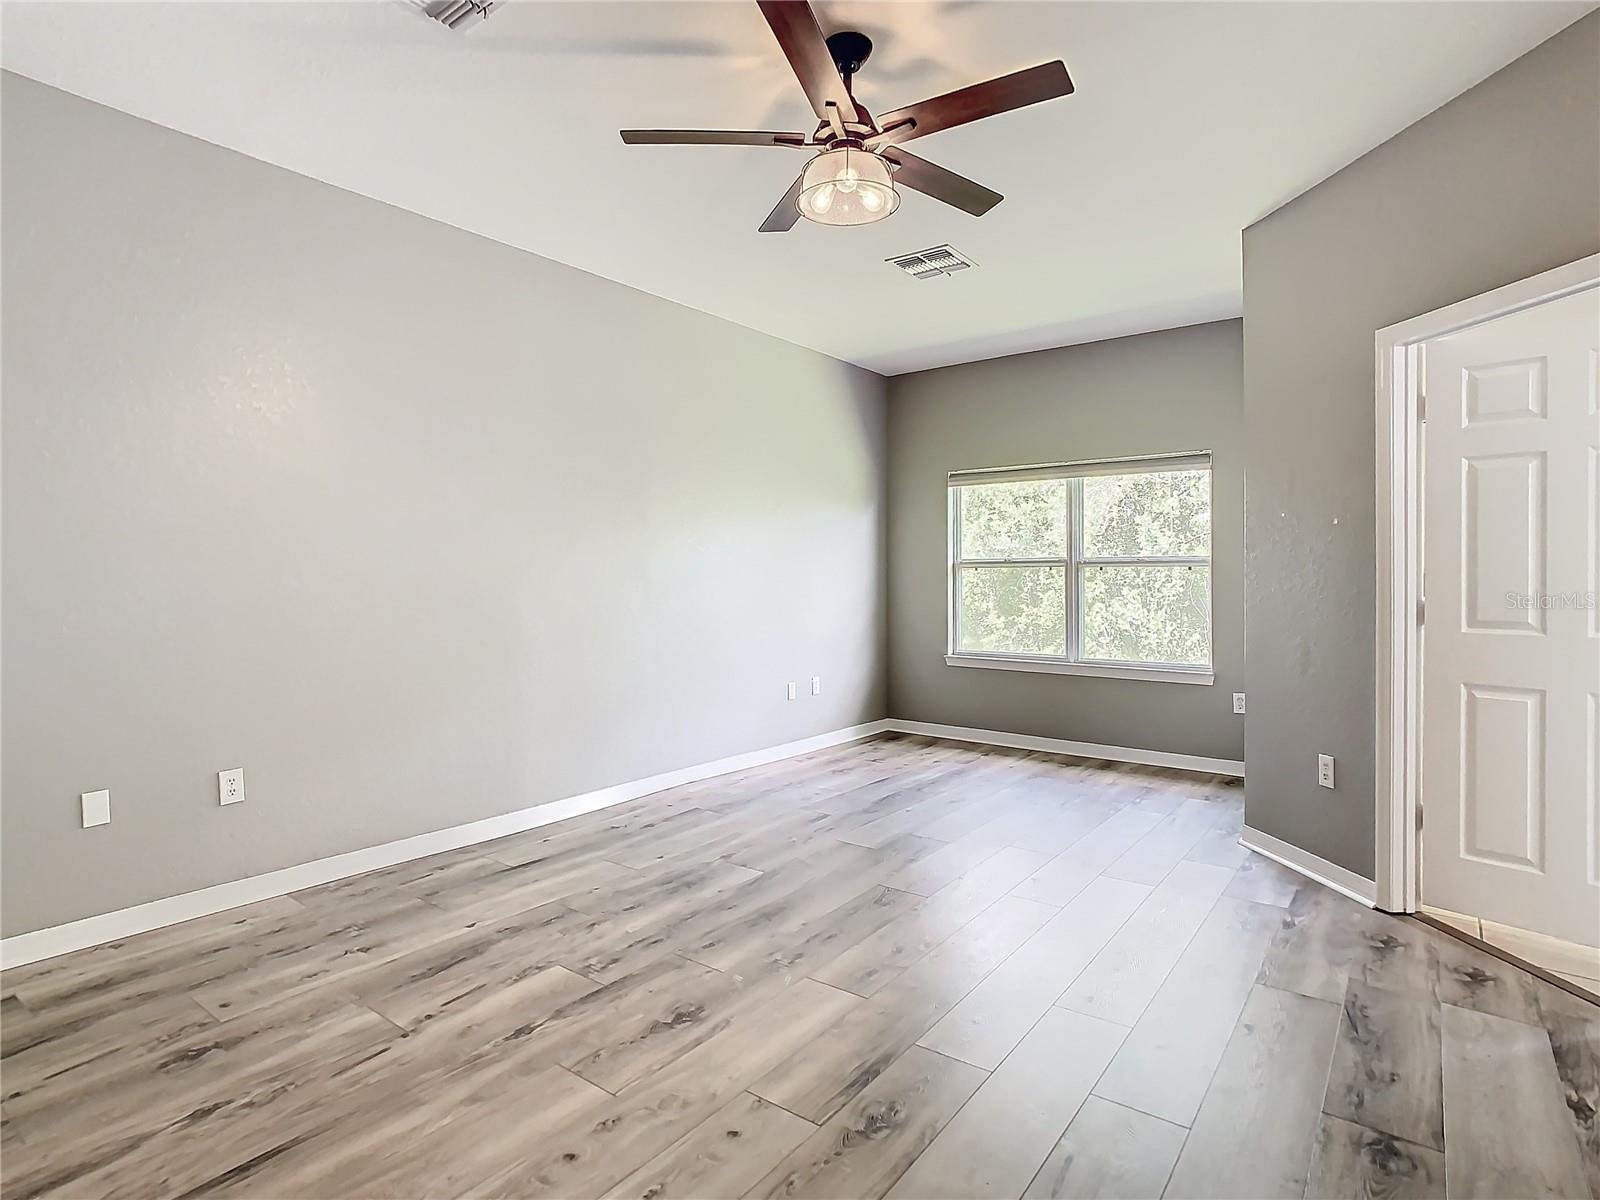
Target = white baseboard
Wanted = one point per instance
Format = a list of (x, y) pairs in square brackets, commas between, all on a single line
[(1024, 741), (26, 948), (1340, 879), (40, 944)]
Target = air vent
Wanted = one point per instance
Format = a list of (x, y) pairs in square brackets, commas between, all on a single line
[(459, 14), (932, 263)]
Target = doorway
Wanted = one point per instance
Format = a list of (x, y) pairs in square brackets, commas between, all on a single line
[(1489, 635)]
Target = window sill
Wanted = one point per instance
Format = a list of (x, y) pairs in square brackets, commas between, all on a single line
[(993, 662)]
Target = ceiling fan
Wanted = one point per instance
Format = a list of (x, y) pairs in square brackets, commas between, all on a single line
[(858, 159)]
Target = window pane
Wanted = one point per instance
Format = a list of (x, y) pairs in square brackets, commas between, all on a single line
[(1151, 512), (1013, 610), (1154, 614), (1014, 520)]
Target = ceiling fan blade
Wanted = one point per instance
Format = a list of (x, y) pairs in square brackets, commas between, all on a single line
[(1018, 90), (795, 26), (933, 180), (782, 218), (711, 137)]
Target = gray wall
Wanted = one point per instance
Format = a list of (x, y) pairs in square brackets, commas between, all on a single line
[(1157, 392), (414, 527), (1501, 183)]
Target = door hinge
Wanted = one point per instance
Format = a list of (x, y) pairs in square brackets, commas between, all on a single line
[(1422, 406), (1419, 816), (1422, 609)]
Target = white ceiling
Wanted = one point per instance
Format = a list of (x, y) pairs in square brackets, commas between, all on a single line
[(1123, 202)]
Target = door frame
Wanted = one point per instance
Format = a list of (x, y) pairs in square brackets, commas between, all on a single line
[(1400, 412)]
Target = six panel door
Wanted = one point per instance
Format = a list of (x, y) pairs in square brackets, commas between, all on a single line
[(1511, 642)]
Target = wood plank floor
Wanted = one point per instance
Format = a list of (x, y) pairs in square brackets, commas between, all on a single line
[(901, 967)]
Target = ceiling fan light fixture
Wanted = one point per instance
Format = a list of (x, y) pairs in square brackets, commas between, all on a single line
[(847, 186)]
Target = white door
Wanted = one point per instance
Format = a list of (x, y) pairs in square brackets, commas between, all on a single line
[(1511, 635)]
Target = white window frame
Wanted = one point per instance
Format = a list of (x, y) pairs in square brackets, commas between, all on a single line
[(1073, 564)]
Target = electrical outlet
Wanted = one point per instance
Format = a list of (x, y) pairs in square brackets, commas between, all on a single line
[(816, 685), (1325, 770), (791, 690), (1238, 703), (230, 785), (96, 808)]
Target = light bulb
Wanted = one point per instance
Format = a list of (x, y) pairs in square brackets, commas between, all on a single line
[(871, 200), (823, 200), (847, 181)]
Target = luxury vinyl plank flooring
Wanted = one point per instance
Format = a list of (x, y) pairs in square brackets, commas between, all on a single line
[(722, 1158), (995, 1144), (1109, 1153), (1469, 978), (1575, 1039), (113, 971), (123, 983), (601, 1146), (1387, 1064), (1050, 824), (816, 1082), (1350, 1160), (1168, 1060), (86, 1053), (1220, 847), (1075, 868), (1506, 1129), (984, 1027), (872, 1141), (1262, 880), (1126, 974), (825, 938), (232, 1093), (903, 966), (488, 959), (1149, 859), (665, 1008), (1398, 954), (872, 963), (1254, 1132), (1315, 946)]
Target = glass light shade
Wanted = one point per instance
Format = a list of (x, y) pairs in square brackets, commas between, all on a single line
[(847, 187)]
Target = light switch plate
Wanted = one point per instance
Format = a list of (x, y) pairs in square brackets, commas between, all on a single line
[(96, 808), (816, 685), (1325, 770), (1238, 703), (791, 691)]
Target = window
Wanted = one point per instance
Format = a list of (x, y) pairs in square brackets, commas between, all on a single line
[(1084, 568)]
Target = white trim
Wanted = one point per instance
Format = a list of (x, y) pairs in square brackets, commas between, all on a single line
[(1183, 460), (1072, 566), (1340, 879), (26, 948), (1025, 741), (1057, 666), (1398, 378)]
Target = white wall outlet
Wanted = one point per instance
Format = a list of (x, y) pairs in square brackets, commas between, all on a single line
[(816, 685), (1238, 703), (1325, 770), (96, 808), (792, 691), (230, 785)]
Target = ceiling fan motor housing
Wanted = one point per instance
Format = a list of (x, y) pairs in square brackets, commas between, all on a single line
[(850, 51)]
